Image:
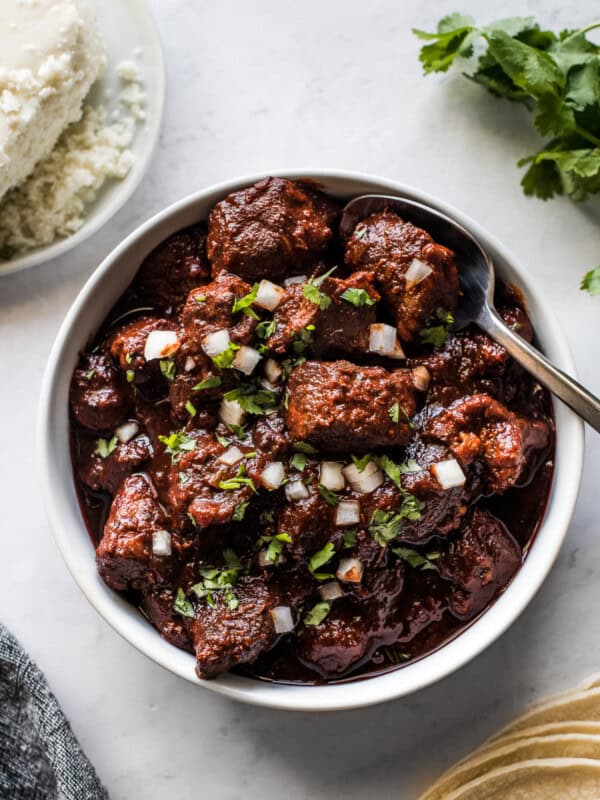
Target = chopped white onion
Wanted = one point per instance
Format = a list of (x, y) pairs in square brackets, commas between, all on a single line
[(189, 364), (398, 352), (161, 543), (449, 473), (160, 344), (366, 481), (231, 456), (383, 340), (350, 570), (330, 475), (127, 431), (347, 512), (295, 279), (331, 591), (273, 476), (216, 343), (246, 359), (417, 272), (282, 619), (421, 378), (231, 412), (269, 295), (272, 370), (296, 490)]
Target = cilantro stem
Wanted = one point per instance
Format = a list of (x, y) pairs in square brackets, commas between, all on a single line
[(587, 135), (590, 27)]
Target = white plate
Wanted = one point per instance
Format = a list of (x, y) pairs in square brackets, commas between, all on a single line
[(126, 26)]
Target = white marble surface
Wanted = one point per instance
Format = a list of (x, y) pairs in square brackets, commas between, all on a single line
[(258, 85)]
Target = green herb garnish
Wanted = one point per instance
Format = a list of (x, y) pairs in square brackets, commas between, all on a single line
[(253, 399), (317, 614), (207, 383), (266, 329), (303, 339), (327, 495), (90, 374), (190, 408), (437, 327), (104, 447), (299, 461), (168, 368), (225, 359), (182, 605), (349, 539), (320, 558), (244, 303), (219, 579), (358, 297), (240, 511), (130, 375), (176, 444), (394, 412), (415, 559), (240, 479), (304, 447)]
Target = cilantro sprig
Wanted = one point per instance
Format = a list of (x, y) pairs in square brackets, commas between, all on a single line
[(556, 76), (312, 291)]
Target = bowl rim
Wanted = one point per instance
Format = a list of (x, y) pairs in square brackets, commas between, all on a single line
[(58, 488)]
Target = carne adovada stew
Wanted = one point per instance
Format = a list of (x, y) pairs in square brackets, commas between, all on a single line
[(287, 458)]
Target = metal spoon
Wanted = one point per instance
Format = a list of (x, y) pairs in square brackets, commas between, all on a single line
[(476, 303)]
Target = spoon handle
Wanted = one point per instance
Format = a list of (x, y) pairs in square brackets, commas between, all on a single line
[(583, 403)]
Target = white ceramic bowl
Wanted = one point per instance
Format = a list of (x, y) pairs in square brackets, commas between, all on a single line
[(89, 310)]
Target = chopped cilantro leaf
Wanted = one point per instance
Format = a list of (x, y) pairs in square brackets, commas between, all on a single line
[(240, 479), (436, 328), (130, 375), (176, 444), (225, 359), (90, 374), (200, 298), (266, 329), (182, 605), (385, 526), (304, 447), (358, 297), (316, 296), (320, 558), (190, 408), (317, 614), (207, 383), (349, 539), (330, 498), (415, 559), (591, 281), (299, 461), (303, 339), (219, 579), (253, 399), (223, 440), (395, 470), (394, 412), (361, 463), (244, 303), (128, 358), (104, 447), (240, 512), (168, 368)]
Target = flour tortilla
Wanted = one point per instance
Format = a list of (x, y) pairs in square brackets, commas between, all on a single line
[(552, 729), (574, 707), (538, 779), (481, 764)]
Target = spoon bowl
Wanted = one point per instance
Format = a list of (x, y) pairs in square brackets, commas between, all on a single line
[(476, 300)]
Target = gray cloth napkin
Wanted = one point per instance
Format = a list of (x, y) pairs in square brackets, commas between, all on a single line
[(40, 758)]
